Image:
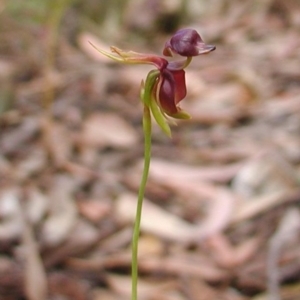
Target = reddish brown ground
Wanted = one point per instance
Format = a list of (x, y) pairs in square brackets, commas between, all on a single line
[(221, 220)]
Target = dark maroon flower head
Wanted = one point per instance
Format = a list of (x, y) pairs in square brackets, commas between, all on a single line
[(187, 42), (165, 87)]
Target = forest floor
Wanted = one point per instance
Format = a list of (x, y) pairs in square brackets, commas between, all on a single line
[(221, 217)]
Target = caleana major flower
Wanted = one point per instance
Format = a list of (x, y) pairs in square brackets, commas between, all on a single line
[(161, 94), (165, 86)]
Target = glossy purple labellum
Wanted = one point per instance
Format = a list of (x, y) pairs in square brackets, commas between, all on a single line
[(187, 42)]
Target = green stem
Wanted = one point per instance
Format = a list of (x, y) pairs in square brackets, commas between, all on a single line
[(138, 216)]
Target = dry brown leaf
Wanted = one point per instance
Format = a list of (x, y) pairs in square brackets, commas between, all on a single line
[(286, 233), (280, 106), (7, 68), (226, 104), (10, 223), (108, 130), (63, 212), (94, 210), (5, 167), (268, 172), (219, 199), (20, 135), (122, 286), (83, 173), (57, 141), (162, 170), (221, 204), (220, 207), (258, 205), (65, 286), (201, 267), (115, 241), (224, 154), (196, 289), (100, 294), (36, 205), (31, 165), (150, 245), (101, 261), (35, 279), (51, 79), (83, 237), (228, 256), (164, 224), (155, 220)]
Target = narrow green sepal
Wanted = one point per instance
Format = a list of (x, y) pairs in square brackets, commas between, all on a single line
[(148, 86), (160, 117), (109, 55)]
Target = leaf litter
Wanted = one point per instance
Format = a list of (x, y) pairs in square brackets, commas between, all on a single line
[(221, 217)]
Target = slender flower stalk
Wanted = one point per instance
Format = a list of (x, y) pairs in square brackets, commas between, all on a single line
[(161, 94), (147, 127)]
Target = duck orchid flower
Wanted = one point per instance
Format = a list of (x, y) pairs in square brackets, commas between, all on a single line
[(165, 86)]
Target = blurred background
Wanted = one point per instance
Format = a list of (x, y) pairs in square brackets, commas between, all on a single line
[(221, 217)]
